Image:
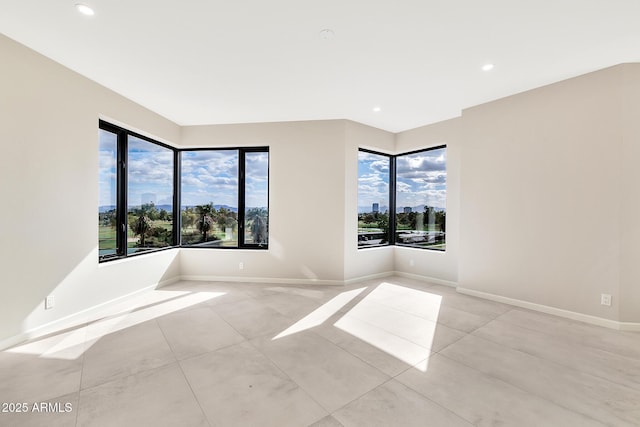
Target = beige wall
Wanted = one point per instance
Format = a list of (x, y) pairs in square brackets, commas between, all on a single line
[(630, 194), (49, 192), (542, 196), (372, 261), (442, 266), (306, 202), (548, 188)]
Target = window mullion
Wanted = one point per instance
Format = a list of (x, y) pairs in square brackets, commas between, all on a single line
[(122, 194), (241, 197), (177, 198), (392, 200)]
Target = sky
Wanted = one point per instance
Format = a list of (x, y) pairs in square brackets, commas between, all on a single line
[(211, 176), (421, 179), (107, 168), (208, 176)]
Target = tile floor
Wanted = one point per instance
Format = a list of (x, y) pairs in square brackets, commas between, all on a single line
[(387, 352)]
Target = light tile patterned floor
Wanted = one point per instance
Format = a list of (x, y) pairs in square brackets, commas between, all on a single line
[(387, 352)]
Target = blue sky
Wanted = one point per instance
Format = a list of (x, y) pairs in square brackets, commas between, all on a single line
[(107, 169), (149, 173), (373, 181), (421, 179), (212, 177), (208, 176)]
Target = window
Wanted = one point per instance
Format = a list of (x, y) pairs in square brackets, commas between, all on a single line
[(107, 209), (256, 200), (135, 212), (373, 199), (421, 190), (223, 196), (149, 195), (209, 198), (402, 199)]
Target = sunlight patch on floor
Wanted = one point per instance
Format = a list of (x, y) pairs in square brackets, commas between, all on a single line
[(321, 314), (72, 344), (397, 320)]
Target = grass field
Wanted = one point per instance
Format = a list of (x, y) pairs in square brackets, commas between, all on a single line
[(107, 235)]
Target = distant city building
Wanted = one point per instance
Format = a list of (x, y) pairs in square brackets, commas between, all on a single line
[(375, 207), (407, 209)]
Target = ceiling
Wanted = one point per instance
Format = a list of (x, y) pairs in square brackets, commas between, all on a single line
[(210, 61)]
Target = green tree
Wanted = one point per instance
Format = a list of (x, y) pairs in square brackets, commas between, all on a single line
[(441, 220), (429, 217), (188, 218), (205, 220), (383, 223), (258, 227), (225, 218), (141, 227)]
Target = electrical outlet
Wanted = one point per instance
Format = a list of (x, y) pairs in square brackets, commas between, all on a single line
[(241, 266), (49, 302), (605, 299)]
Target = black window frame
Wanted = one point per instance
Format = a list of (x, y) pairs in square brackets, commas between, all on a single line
[(392, 241), (241, 195), (122, 135)]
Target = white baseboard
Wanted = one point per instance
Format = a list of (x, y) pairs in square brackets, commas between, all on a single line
[(262, 280), (593, 320), (75, 319), (426, 279), (368, 277)]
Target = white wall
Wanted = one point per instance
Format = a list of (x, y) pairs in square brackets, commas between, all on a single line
[(306, 203), (630, 195), (49, 192), (541, 192), (442, 266), (360, 263), (542, 196)]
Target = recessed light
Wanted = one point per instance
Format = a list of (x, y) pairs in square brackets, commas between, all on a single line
[(377, 109), (487, 67), (326, 34), (84, 9)]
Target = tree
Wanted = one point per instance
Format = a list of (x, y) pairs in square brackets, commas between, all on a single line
[(429, 216), (441, 220), (188, 217), (258, 228), (383, 223), (224, 218), (141, 227), (205, 221)]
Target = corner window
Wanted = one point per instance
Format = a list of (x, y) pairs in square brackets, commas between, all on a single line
[(136, 193), (402, 199), (223, 195), (421, 191), (224, 198), (373, 199), (209, 198), (149, 195)]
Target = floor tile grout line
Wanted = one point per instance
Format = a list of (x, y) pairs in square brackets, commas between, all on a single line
[(85, 343), (555, 337), (518, 386), (177, 362), (566, 366), (303, 389), (496, 379), (410, 388)]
